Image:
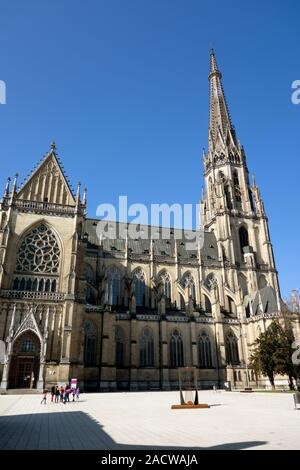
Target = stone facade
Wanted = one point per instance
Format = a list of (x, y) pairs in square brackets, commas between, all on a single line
[(123, 313)]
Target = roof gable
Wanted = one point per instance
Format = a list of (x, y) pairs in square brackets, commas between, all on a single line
[(48, 183)]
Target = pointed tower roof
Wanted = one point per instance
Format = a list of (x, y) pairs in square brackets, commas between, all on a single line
[(219, 118)]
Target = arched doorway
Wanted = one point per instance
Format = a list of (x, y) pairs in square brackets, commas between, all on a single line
[(25, 361)]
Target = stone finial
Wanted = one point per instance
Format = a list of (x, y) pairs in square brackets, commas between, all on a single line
[(12, 322), (202, 195), (14, 187), (15, 179), (6, 190), (84, 196), (78, 190)]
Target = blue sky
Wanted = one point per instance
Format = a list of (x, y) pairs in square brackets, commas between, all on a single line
[(121, 86)]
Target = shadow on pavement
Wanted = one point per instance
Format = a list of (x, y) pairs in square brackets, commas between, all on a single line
[(76, 430)]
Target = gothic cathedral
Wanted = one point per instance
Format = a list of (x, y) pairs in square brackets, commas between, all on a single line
[(124, 314)]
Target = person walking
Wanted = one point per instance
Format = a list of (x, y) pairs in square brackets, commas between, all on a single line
[(62, 391), (77, 393), (73, 393), (57, 394), (68, 391), (44, 400), (52, 393)]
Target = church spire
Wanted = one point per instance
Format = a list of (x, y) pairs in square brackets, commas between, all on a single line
[(219, 118)]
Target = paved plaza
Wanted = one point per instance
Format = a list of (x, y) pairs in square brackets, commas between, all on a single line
[(144, 420)]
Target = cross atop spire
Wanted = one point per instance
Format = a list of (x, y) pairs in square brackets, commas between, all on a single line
[(53, 148), (219, 118)]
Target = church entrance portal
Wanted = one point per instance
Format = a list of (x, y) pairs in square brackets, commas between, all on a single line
[(25, 362)]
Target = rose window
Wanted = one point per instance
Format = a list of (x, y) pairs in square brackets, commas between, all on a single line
[(39, 252)]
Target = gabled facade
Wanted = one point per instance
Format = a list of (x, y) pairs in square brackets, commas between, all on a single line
[(123, 313)]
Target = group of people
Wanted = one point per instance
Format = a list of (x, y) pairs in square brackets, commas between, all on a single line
[(61, 394)]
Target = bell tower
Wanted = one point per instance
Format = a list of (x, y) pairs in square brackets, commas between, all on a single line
[(231, 207)]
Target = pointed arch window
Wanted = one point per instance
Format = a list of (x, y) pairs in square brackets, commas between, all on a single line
[(90, 296), (28, 346), (119, 347), (41, 285), (90, 336), (165, 279), (182, 302), (232, 349), (39, 252), (89, 274), (176, 350), (207, 304), (227, 196), (146, 348), (29, 284), (244, 238), (247, 308), (204, 351), (38, 261), (236, 184), (27, 343), (113, 286), (139, 285), (187, 281), (250, 194)]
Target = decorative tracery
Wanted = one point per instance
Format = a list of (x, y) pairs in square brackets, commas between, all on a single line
[(211, 281), (232, 349), (165, 279), (187, 281), (176, 350), (39, 252), (204, 350), (113, 286), (38, 259), (147, 348), (139, 284), (90, 336)]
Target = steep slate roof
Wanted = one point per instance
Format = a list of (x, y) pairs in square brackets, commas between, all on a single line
[(161, 247)]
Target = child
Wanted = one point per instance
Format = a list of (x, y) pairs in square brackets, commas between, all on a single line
[(44, 400)]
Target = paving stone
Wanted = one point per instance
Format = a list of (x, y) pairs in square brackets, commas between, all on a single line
[(144, 420)]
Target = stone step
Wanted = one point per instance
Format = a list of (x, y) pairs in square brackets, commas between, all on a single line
[(20, 391)]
